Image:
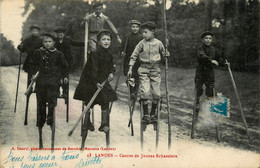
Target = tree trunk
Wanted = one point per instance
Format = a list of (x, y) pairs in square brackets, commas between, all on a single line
[(208, 15)]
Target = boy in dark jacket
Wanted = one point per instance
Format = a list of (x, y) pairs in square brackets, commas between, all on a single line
[(207, 60), (29, 45), (53, 68), (98, 68), (128, 46), (63, 44)]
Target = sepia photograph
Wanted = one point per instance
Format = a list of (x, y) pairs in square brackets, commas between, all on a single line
[(129, 83)]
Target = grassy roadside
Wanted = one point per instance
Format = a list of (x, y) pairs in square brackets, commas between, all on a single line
[(181, 86), (181, 90)]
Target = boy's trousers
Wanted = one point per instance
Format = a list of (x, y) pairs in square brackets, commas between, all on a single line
[(205, 78), (46, 96), (150, 80)]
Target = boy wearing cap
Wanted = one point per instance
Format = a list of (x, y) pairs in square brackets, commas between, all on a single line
[(98, 68), (149, 52), (53, 68), (29, 45), (96, 22), (63, 44), (128, 46), (207, 59)]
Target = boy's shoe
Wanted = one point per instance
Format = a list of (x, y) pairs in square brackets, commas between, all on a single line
[(90, 127), (146, 118), (154, 118), (103, 128)]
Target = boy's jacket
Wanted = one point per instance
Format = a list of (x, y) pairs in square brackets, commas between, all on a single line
[(148, 52), (205, 69), (65, 48), (205, 54), (29, 45), (51, 64), (97, 23)]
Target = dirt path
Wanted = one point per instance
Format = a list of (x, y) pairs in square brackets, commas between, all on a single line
[(202, 152)]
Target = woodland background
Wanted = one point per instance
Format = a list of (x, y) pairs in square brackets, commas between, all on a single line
[(234, 23)]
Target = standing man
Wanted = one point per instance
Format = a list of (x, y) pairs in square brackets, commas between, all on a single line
[(29, 45), (63, 44), (96, 22)]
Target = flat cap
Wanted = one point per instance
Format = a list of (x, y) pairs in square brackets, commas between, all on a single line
[(60, 29), (135, 22), (49, 34), (149, 25), (206, 33), (35, 26), (97, 4), (103, 32)]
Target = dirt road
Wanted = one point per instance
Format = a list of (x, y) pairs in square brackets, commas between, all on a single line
[(203, 151)]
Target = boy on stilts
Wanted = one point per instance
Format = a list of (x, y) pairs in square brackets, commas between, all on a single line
[(98, 68), (63, 44), (128, 46), (53, 68), (207, 59), (149, 52), (29, 45), (97, 22)]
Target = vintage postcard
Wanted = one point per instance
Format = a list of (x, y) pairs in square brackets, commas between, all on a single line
[(129, 83)]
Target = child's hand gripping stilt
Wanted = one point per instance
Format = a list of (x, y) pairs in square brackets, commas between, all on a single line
[(130, 72)]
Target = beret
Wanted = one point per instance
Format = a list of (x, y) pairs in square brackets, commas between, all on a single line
[(48, 34), (206, 33), (35, 26), (60, 29), (97, 4), (149, 25), (104, 31), (135, 22)]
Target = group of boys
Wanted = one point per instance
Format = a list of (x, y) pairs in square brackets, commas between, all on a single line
[(142, 57), (51, 56)]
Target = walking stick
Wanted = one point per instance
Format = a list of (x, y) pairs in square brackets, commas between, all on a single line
[(239, 102), (53, 132), (67, 100), (40, 138), (100, 87), (86, 42), (131, 109), (216, 118), (28, 93), (31, 84), (82, 109), (18, 80), (194, 114), (166, 75)]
